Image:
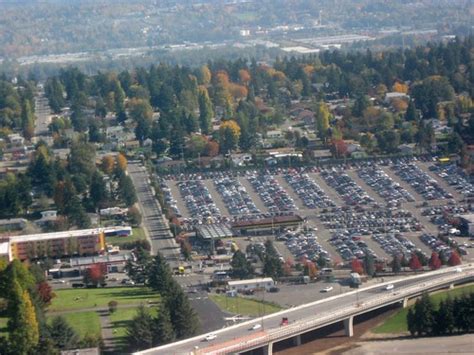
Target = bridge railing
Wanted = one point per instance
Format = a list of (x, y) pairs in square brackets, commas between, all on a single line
[(345, 312)]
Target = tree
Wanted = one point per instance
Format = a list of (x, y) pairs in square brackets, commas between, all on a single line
[(122, 162), (396, 264), (272, 266), (23, 326), (134, 216), (142, 113), (127, 190), (411, 321), (411, 114), (82, 159), (98, 192), (435, 262), (94, 275), (322, 119), (45, 292), (184, 318), (356, 266), (205, 111), (310, 270), (159, 275), (137, 269), (163, 331), (415, 263), (229, 134), (107, 165), (140, 330), (424, 315), (241, 267), (211, 149), (27, 120), (62, 334), (454, 259), (369, 264)]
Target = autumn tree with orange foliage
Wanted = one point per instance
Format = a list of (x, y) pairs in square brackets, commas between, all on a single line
[(211, 149), (244, 77), (108, 164), (122, 162), (400, 87)]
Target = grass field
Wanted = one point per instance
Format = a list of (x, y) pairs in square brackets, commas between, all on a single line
[(83, 322), (71, 299), (122, 317), (397, 322), (3, 325), (138, 234), (244, 306)]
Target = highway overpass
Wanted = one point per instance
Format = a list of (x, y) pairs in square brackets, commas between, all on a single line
[(302, 319)]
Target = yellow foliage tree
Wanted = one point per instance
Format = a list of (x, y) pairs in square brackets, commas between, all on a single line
[(108, 163), (244, 76), (206, 75), (23, 326), (400, 87), (122, 162), (229, 135)]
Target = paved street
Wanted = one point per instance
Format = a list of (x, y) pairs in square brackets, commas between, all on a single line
[(43, 114), (153, 222)]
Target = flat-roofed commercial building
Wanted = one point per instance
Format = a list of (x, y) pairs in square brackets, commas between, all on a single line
[(58, 244)]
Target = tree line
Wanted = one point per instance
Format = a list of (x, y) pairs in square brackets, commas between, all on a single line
[(176, 318), (450, 316), (24, 298)]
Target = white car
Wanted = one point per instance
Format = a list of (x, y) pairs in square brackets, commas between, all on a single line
[(211, 337), (327, 289), (256, 326), (389, 287)]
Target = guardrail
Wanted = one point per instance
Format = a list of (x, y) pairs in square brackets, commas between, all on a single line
[(326, 318)]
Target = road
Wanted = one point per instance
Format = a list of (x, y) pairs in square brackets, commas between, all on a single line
[(43, 114), (300, 315), (153, 221)]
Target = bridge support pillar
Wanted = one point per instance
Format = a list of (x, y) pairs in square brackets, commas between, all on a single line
[(348, 326), (405, 302), (268, 350), (451, 286), (297, 340)]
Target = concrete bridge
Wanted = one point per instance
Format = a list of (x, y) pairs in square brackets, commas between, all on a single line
[(306, 318)]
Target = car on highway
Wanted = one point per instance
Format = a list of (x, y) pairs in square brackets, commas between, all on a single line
[(210, 337), (389, 287), (256, 326), (327, 289)]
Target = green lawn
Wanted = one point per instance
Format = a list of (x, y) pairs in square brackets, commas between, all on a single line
[(83, 322), (122, 317), (397, 322), (138, 234), (71, 299), (3, 325), (244, 306)]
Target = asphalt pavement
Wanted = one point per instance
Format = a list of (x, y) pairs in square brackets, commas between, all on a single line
[(153, 221)]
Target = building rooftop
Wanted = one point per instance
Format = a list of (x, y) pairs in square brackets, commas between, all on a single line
[(55, 235), (468, 217), (214, 231), (250, 281)]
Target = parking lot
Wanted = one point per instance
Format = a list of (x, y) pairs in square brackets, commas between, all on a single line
[(377, 208)]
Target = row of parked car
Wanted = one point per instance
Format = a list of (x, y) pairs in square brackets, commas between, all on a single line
[(169, 199), (307, 189), (384, 185), (437, 245), (456, 177), (273, 195), (346, 187), (365, 222), (235, 196), (420, 181), (395, 244), (198, 199), (350, 245), (304, 245)]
